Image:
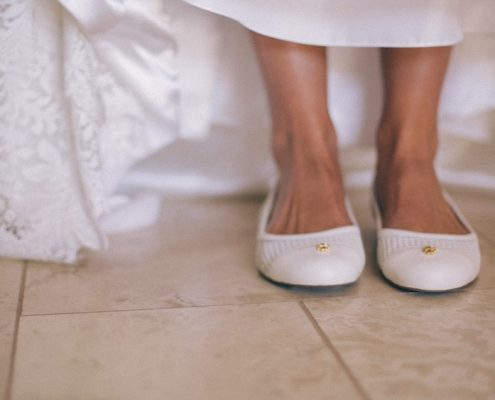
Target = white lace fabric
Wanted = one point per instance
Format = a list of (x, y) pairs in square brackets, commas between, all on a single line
[(74, 116)]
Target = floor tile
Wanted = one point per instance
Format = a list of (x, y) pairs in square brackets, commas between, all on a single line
[(479, 208), (407, 346), (229, 352), (10, 284), (201, 253), (486, 280)]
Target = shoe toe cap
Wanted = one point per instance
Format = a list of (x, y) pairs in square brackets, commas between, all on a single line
[(444, 270), (340, 265)]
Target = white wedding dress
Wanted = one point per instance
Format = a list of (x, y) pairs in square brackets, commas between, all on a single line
[(88, 88)]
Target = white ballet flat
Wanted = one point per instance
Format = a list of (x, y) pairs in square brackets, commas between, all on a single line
[(426, 261), (325, 258)]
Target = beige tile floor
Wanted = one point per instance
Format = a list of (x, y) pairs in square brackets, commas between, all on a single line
[(177, 311)]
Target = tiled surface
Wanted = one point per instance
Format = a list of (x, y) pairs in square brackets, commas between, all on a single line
[(177, 311), (267, 351), (406, 346), (479, 207), (10, 285), (200, 254)]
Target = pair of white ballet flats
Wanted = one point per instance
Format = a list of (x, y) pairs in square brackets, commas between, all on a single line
[(411, 260)]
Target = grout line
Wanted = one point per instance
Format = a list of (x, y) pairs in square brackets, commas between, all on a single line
[(193, 306), (161, 308), (20, 301), (333, 350)]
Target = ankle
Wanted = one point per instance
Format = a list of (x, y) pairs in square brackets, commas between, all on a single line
[(401, 175), (307, 147), (406, 145), (396, 167), (396, 162)]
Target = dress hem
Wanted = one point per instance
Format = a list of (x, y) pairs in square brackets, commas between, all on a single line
[(336, 42)]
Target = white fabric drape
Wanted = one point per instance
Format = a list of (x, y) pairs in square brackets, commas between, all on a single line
[(86, 88), (364, 23)]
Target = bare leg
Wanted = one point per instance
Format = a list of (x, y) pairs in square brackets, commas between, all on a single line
[(406, 184), (310, 193)]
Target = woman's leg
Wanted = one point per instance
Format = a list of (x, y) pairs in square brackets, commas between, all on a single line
[(406, 185), (310, 192)]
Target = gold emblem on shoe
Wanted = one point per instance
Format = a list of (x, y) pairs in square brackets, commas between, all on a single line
[(322, 247), (429, 250)]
